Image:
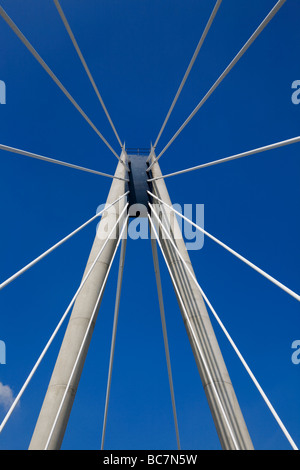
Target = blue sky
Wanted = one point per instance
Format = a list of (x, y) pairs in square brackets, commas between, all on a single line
[(138, 52)]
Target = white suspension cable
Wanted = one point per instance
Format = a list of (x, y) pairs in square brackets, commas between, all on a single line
[(57, 162), (85, 336), (256, 268), (25, 41), (267, 401), (75, 44), (114, 335), (63, 240), (195, 339), (223, 75), (207, 28), (26, 383), (165, 336), (233, 157)]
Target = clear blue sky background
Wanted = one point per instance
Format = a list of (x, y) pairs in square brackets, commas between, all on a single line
[(138, 52)]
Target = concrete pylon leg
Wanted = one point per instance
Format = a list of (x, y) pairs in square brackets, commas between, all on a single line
[(77, 327), (201, 325)]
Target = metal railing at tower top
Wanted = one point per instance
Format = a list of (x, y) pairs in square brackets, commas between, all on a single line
[(138, 151)]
